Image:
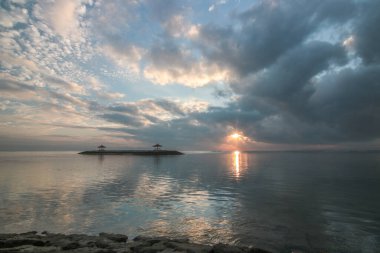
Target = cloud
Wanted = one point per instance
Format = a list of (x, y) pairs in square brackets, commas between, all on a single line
[(128, 56), (123, 119), (214, 5), (177, 26), (168, 63), (163, 10), (266, 31), (10, 17), (63, 16), (288, 83), (366, 34), (348, 102), (66, 85), (282, 75), (159, 110), (289, 72)]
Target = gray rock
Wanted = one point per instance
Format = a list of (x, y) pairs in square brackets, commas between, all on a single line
[(102, 243), (71, 245), (30, 233), (10, 243), (149, 240), (108, 243), (114, 237), (106, 251), (156, 247), (224, 248), (188, 247), (257, 250)]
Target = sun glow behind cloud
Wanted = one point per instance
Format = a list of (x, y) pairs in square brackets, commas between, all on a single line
[(235, 136)]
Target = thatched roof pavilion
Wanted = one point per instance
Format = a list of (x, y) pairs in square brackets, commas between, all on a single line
[(157, 146), (101, 147)]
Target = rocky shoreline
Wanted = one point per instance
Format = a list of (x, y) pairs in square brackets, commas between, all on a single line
[(108, 243)]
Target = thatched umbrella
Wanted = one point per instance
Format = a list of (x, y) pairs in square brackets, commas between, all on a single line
[(157, 146), (101, 147)]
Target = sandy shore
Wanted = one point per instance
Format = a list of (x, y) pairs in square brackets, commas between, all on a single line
[(108, 243)]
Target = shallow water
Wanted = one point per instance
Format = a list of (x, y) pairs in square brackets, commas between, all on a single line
[(275, 200)]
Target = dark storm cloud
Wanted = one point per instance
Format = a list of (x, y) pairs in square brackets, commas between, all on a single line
[(268, 30), (287, 84), (366, 33), (350, 103)]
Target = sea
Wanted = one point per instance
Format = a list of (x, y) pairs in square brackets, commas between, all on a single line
[(278, 201)]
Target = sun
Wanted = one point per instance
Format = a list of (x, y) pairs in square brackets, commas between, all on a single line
[(235, 136)]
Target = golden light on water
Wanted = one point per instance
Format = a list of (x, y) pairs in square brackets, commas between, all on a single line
[(237, 163)]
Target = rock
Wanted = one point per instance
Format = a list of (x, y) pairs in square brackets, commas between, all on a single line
[(156, 247), (224, 248), (105, 251), (10, 243), (7, 236), (114, 237), (188, 247), (108, 243), (31, 249), (150, 240), (256, 250), (30, 233), (70, 246), (181, 240), (101, 243)]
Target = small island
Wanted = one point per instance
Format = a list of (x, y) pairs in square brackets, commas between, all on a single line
[(157, 151)]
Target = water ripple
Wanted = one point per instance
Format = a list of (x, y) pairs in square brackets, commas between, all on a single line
[(274, 201)]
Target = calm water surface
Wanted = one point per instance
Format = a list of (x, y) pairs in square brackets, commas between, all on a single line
[(276, 201)]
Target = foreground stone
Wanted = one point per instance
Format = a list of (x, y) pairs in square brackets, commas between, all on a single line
[(108, 243)]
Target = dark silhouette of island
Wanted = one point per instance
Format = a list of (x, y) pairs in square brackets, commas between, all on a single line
[(156, 151)]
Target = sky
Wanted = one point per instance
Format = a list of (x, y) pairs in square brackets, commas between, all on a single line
[(283, 74)]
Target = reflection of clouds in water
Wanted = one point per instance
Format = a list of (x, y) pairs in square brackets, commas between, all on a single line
[(150, 189), (181, 210), (45, 175), (192, 214), (48, 194), (198, 229), (286, 198), (119, 196)]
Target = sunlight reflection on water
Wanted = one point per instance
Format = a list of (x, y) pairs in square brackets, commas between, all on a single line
[(239, 164)]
